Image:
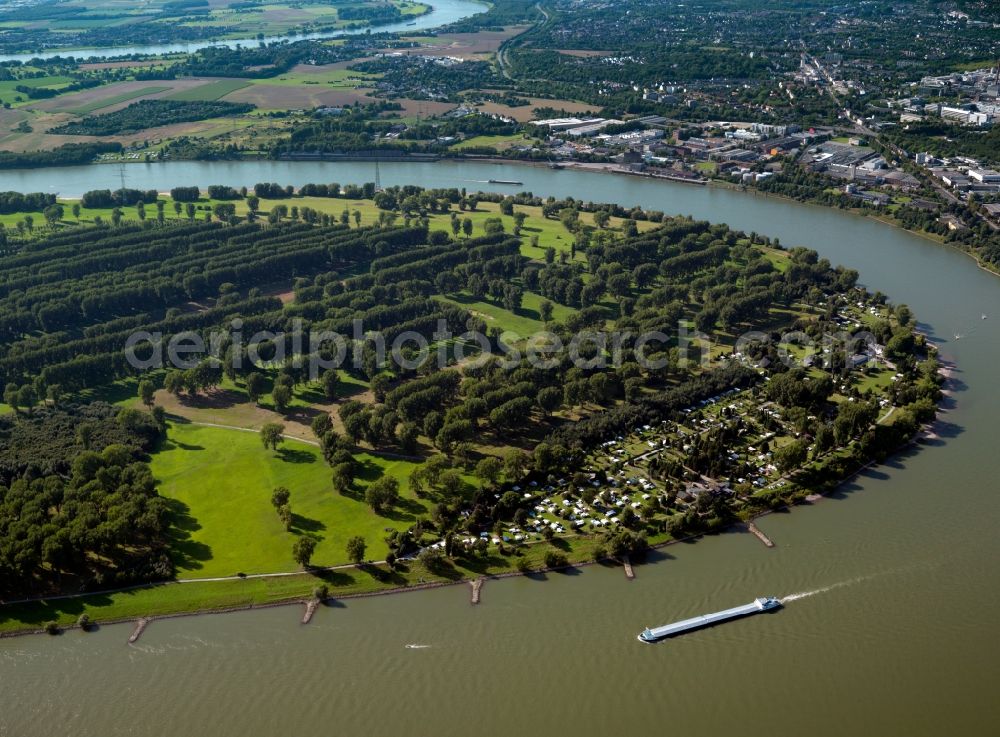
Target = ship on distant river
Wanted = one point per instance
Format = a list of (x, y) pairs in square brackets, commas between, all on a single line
[(762, 604)]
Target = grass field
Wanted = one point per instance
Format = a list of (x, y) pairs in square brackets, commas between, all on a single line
[(500, 143), (115, 99), (324, 75), (210, 91), (525, 322), (221, 480), (8, 93), (190, 597)]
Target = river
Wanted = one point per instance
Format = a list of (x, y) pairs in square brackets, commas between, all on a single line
[(892, 583), (442, 13)]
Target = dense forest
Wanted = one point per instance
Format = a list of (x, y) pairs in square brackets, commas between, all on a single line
[(77, 502), (69, 154), (943, 139), (137, 116), (359, 129)]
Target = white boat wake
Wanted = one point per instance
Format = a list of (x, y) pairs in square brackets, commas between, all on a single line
[(412, 646), (824, 589)]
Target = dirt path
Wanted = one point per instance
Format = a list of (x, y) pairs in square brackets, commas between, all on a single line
[(286, 436)]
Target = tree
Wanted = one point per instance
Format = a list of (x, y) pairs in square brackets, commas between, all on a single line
[(549, 399), (619, 285), (282, 397), (256, 386), (852, 418), (303, 549), (433, 559), (555, 559), (54, 393), (451, 483), (330, 383), (544, 457), (280, 497), (285, 515), (84, 433), (408, 436), (343, 476), (624, 543), (356, 425), (224, 211), (26, 397), (272, 434), (382, 494), (904, 315), (321, 424), (53, 214), (467, 226), (356, 549), (489, 470), (76, 210), (515, 462), (10, 396), (545, 310), (146, 392), (790, 456), (492, 226)]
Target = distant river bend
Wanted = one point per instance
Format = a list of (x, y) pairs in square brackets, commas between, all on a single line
[(442, 13)]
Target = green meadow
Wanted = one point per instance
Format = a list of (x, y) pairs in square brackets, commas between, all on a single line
[(220, 482)]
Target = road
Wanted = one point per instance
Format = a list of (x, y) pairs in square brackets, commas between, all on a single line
[(502, 51)]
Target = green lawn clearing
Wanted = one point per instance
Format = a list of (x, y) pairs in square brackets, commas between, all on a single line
[(220, 481)]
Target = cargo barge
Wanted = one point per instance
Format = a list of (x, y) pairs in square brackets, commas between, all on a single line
[(763, 604)]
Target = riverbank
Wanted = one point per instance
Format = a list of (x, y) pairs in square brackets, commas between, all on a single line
[(153, 177), (612, 168), (158, 601)]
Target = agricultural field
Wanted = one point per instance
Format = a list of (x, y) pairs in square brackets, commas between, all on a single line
[(105, 97), (99, 104), (209, 91)]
